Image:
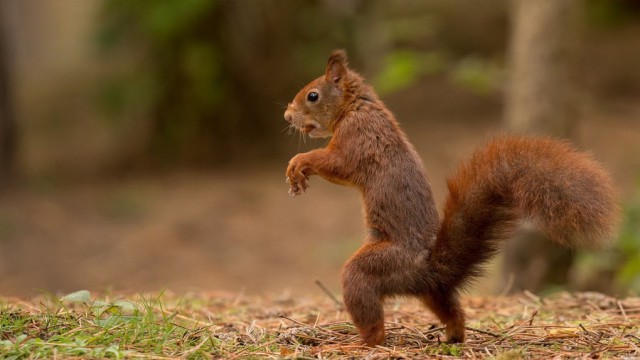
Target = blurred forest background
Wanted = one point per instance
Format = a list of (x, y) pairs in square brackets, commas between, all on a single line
[(142, 143)]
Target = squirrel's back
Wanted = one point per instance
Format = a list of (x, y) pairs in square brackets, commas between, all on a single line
[(566, 193)]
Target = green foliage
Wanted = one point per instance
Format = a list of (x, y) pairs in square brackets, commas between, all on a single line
[(201, 72), (176, 77), (616, 269), (403, 68), (81, 296), (628, 274), (610, 14), (209, 77), (446, 349), (77, 325), (160, 20), (477, 74), (166, 20)]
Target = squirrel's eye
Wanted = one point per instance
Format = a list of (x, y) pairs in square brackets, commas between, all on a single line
[(313, 96)]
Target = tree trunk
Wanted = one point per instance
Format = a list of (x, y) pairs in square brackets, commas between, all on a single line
[(7, 116), (544, 46), (541, 98)]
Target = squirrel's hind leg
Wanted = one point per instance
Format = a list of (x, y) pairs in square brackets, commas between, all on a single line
[(367, 314), (447, 308), (363, 301), (364, 280), (363, 289)]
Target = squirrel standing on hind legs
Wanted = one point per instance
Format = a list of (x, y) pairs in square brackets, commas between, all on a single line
[(408, 250)]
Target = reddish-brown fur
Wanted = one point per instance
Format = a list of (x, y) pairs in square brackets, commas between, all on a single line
[(408, 251)]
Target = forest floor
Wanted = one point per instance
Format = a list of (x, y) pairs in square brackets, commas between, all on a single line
[(238, 326)]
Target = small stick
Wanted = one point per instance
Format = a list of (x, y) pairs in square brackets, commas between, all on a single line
[(624, 313), (535, 312), (330, 295), (487, 351), (306, 325), (481, 331), (584, 329), (592, 334), (293, 320), (435, 329)]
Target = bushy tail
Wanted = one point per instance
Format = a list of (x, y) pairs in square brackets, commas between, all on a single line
[(565, 193)]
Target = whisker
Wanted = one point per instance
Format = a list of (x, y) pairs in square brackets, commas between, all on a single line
[(291, 129), (281, 104), (286, 128)]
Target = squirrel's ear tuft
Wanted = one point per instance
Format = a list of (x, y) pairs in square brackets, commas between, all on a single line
[(336, 66)]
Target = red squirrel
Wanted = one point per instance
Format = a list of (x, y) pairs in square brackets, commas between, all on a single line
[(408, 250)]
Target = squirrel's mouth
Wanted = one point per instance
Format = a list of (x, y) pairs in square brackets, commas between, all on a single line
[(316, 131), (313, 129), (306, 129)]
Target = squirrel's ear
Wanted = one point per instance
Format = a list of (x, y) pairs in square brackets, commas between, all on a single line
[(337, 66)]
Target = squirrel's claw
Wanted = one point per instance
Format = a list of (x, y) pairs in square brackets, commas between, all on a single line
[(298, 187), (294, 191), (297, 177)]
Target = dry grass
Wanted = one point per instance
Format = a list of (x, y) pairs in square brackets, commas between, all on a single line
[(232, 326)]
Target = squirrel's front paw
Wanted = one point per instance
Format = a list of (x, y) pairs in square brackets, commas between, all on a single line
[(294, 188), (297, 177), (297, 184)]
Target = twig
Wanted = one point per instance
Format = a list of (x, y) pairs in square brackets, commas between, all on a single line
[(584, 329), (624, 313), (486, 332), (306, 325), (533, 315), (330, 295)]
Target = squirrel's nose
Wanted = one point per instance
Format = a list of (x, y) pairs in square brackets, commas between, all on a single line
[(288, 116)]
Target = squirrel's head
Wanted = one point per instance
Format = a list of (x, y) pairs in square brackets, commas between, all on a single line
[(318, 106)]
